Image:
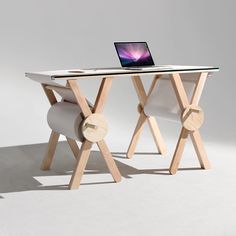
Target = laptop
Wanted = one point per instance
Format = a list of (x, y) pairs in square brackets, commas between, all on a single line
[(135, 55)]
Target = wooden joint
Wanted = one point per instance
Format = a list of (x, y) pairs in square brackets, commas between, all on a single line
[(192, 117), (94, 128)]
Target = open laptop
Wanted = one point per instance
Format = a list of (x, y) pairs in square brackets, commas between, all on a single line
[(135, 55)]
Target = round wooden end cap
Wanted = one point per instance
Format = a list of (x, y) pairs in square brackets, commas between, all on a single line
[(192, 117), (94, 128)]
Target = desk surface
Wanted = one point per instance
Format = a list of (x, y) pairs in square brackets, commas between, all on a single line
[(94, 72)]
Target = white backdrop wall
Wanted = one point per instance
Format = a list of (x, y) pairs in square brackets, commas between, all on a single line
[(61, 34)]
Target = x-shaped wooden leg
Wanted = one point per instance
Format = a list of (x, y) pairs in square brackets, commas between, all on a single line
[(87, 145), (138, 85), (195, 135), (54, 137)]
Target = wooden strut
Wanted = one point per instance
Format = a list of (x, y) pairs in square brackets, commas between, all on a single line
[(86, 145), (194, 134), (82, 154), (143, 97), (54, 137)]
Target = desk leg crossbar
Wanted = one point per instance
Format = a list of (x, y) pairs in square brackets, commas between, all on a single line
[(139, 88), (192, 119), (82, 154)]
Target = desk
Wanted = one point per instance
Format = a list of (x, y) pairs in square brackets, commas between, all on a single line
[(115, 72), (49, 79)]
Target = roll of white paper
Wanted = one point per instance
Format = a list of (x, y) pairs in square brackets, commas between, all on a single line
[(65, 118), (163, 102)]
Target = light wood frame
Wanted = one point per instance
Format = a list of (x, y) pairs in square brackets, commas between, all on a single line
[(195, 134), (142, 96), (81, 154), (184, 104)]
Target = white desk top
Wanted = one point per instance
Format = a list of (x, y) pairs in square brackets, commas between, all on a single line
[(95, 72)]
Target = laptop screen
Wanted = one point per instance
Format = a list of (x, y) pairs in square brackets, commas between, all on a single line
[(134, 54)]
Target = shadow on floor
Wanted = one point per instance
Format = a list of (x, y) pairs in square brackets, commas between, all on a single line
[(20, 167), (123, 155)]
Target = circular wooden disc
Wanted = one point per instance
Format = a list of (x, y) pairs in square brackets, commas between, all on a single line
[(94, 128), (192, 118)]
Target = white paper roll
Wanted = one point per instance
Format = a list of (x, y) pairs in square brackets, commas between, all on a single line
[(66, 118), (163, 102)]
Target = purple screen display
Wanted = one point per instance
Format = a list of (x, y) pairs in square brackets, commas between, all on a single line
[(134, 54)]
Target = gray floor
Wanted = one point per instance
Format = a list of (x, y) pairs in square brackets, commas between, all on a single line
[(148, 201)]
